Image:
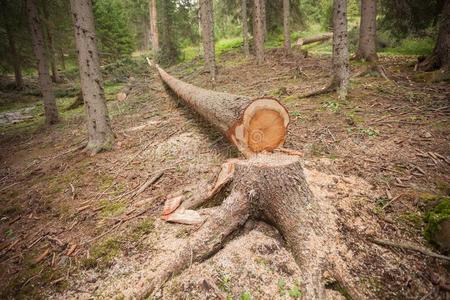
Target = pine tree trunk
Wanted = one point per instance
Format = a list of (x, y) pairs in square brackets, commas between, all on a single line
[(45, 82), (340, 47), (207, 24), (145, 35), (258, 31), (62, 59), (154, 26), (287, 32), (264, 19), (51, 44), (15, 59), (368, 31), (440, 58), (101, 136), (245, 27)]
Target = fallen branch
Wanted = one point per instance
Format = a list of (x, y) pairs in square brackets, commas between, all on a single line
[(314, 39), (409, 247)]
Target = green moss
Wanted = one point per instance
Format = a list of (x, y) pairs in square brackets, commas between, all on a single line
[(102, 254), (443, 187), (435, 216), (412, 218), (143, 228)]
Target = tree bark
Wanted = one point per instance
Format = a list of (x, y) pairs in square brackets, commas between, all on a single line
[(101, 136), (258, 30), (15, 58), (154, 26), (440, 58), (264, 19), (253, 125), (51, 44), (368, 31), (207, 24), (245, 27), (340, 47), (287, 32), (45, 82)]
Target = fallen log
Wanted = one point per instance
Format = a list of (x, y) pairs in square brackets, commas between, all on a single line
[(314, 39), (253, 125), (270, 187)]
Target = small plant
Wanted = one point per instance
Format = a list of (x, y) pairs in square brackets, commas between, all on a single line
[(225, 283), (369, 132), (281, 287), (332, 106), (246, 296), (295, 292)]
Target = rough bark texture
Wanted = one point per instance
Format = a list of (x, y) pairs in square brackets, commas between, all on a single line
[(440, 58), (287, 32), (207, 24), (45, 82), (340, 47), (50, 44), (15, 58), (101, 136), (258, 30), (245, 27), (368, 31), (264, 19), (253, 125), (154, 26)]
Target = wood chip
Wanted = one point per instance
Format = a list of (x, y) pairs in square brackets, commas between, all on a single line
[(71, 249), (188, 217), (42, 256), (83, 208), (171, 205)]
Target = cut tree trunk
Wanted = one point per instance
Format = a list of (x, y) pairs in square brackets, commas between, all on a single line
[(287, 32), (271, 187), (101, 136), (207, 24), (45, 82), (314, 39), (154, 26), (245, 27), (440, 58), (253, 125), (258, 30)]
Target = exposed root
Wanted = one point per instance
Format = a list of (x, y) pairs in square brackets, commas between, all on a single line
[(373, 68), (221, 224), (332, 86)]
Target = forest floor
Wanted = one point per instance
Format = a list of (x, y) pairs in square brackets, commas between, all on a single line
[(73, 226)]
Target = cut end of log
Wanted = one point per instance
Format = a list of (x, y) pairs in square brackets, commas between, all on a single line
[(263, 127)]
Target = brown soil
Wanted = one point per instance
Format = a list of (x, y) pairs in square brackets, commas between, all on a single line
[(361, 153)]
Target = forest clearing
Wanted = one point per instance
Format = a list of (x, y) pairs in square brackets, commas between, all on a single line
[(344, 197)]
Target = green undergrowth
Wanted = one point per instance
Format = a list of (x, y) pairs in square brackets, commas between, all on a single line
[(102, 254), (434, 218)]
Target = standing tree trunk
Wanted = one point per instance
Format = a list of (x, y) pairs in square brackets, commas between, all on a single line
[(51, 44), (440, 58), (245, 27), (368, 31), (341, 70), (154, 26), (207, 24), (287, 32), (146, 35), (62, 59), (340, 47), (45, 82), (264, 18), (101, 136), (258, 30), (15, 58)]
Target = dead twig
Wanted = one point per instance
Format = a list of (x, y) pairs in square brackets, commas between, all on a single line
[(148, 183), (411, 247)]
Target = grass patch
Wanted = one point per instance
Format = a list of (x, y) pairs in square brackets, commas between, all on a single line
[(102, 254), (411, 46), (143, 228), (111, 209)]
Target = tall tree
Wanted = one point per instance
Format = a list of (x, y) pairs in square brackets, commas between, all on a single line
[(264, 18), (50, 42), (45, 82), (245, 27), (341, 68), (340, 57), (101, 136), (14, 55), (440, 58), (154, 26), (207, 24), (368, 31), (287, 32), (169, 52), (258, 30)]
